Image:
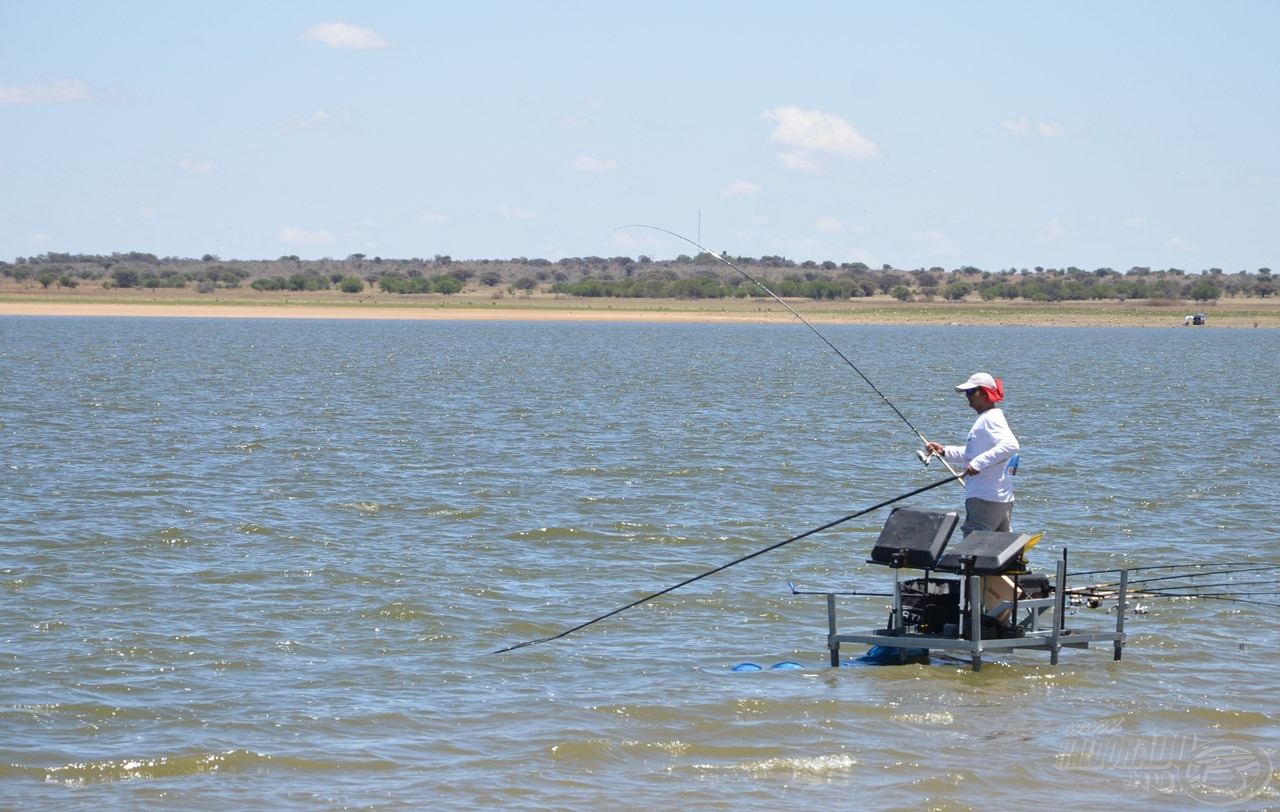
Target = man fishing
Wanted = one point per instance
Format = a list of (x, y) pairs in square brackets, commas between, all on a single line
[(988, 457)]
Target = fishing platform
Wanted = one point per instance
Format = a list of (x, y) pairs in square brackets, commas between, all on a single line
[(977, 598)]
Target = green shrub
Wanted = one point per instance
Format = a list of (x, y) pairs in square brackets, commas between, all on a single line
[(1205, 291), (446, 284), (269, 283)]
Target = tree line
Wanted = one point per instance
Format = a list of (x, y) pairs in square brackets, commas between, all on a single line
[(702, 276)]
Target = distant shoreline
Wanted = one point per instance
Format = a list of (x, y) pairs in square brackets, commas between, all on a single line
[(237, 303)]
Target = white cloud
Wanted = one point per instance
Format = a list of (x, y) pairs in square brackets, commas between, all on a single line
[(148, 213), (1177, 244), (318, 119), (927, 237), (1133, 222), (819, 132), (623, 240), (55, 92), (1022, 127), (934, 242), (864, 256), (829, 224), (796, 160), (295, 236), (1055, 230), (345, 36), (743, 188), (433, 217), (576, 121), (508, 213), (1263, 179), (1019, 127), (197, 167), (585, 163)]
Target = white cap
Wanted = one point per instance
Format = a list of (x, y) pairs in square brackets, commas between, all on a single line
[(975, 380)]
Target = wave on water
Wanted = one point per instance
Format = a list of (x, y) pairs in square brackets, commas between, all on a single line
[(818, 768), (78, 774), (279, 582)]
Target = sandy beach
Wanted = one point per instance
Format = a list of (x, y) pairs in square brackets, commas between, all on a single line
[(250, 304)]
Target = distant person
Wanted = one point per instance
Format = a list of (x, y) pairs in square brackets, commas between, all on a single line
[(989, 458)]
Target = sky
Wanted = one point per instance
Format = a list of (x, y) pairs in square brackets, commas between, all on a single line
[(913, 134)]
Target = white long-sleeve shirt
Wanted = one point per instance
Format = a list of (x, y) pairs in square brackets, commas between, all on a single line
[(990, 445)]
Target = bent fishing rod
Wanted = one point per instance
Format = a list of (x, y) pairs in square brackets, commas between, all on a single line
[(724, 567), (923, 457)]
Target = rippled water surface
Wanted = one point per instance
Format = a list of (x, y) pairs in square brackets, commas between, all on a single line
[(264, 564)]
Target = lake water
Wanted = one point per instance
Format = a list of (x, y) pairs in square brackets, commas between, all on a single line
[(265, 565)]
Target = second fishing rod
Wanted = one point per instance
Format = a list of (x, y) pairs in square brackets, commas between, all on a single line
[(923, 456)]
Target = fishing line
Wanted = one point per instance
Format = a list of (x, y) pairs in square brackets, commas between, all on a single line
[(806, 323), (724, 567)]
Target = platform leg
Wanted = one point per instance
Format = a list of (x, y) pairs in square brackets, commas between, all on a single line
[(1059, 612), (832, 643), (1122, 608), (975, 621)]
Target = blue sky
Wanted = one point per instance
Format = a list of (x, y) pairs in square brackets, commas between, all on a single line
[(1093, 134)]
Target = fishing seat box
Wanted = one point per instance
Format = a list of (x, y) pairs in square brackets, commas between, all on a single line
[(929, 605), (986, 552), (914, 538)]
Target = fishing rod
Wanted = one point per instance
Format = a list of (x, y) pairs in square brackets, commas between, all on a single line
[(1225, 570), (1223, 597), (1169, 588), (724, 567), (1218, 569), (1174, 593), (922, 456), (1241, 597), (1231, 597), (1190, 584)]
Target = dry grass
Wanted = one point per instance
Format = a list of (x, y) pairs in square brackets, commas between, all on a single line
[(475, 303)]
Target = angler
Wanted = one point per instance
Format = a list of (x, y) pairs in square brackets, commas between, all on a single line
[(989, 457)]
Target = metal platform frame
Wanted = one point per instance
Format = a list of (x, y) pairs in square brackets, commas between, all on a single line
[(1034, 637)]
